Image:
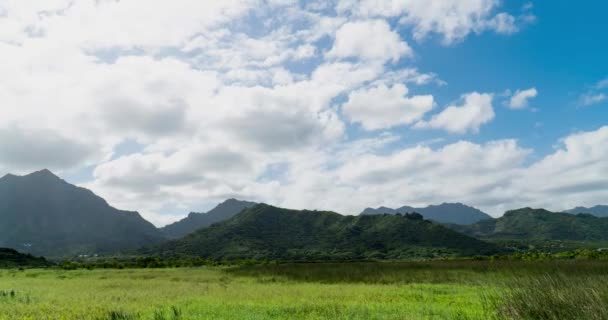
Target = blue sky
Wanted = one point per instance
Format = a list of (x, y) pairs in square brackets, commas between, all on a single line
[(168, 108), (563, 59)]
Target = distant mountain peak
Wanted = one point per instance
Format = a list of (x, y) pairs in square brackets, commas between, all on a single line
[(223, 211), (453, 204), (54, 217), (446, 212), (591, 208), (44, 173), (8, 176), (597, 210), (527, 210), (539, 224), (230, 201)]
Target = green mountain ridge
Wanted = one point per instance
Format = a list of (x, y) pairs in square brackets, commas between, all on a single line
[(456, 213), (44, 215), (195, 221), (264, 232), (10, 258), (598, 211), (539, 224)]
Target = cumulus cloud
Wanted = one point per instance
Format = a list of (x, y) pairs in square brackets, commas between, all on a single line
[(495, 176), (25, 150), (520, 99), (476, 110), (462, 171), (383, 107), (369, 40), (575, 174), (154, 170), (105, 24), (223, 106), (275, 131), (453, 20)]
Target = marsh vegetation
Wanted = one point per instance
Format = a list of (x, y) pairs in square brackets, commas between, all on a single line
[(404, 290)]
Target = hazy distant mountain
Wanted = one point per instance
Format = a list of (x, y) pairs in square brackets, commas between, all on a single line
[(457, 213), (195, 221), (267, 232), (539, 224), (44, 215), (598, 211)]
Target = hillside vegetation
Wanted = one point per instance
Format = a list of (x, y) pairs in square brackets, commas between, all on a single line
[(266, 232), (195, 221), (10, 258), (539, 224), (457, 213), (598, 211)]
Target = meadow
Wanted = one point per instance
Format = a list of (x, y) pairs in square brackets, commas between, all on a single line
[(392, 290)]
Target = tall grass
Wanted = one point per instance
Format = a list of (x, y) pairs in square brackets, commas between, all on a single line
[(468, 290), (553, 297), (530, 290), (456, 271), (174, 313)]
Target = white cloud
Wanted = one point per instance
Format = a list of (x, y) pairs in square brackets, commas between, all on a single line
[(383, 107), (369, 40), (26, 148), (452, 19), (461, 171), (409, 75), (126, 24), (574, 175), (595, 95), (228, 51), (191, 164), (476, 110), (223, 106), (503, 23), (602, 84), (520, 98), (589, 99), (493, 176)]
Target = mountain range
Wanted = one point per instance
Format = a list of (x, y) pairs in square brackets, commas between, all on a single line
[(195, 221), (539, 224), (456, 213), (266, 232), (44, 215), (598, 211)]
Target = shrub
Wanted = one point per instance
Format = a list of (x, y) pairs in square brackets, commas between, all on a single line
[(119, 315)]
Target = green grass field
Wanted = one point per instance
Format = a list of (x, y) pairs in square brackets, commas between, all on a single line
[(417, 290)]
